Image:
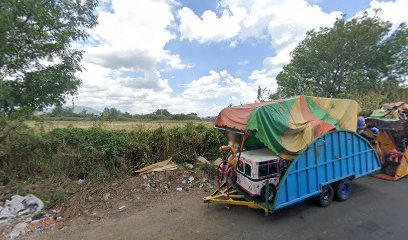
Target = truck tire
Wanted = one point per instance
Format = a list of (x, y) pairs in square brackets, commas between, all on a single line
[(272, 193), (343, 190), (326, 196)]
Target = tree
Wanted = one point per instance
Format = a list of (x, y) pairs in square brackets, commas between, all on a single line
[(162, 112), (349, 59), (60, 111), (37, 60), (111, 114), (262, 94)]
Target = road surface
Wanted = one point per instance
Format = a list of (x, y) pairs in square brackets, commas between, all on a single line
[(377, 209)]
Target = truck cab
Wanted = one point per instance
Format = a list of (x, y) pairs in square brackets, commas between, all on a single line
[(255, 168)]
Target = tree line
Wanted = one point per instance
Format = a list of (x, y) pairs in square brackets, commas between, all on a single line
[(114, 114)]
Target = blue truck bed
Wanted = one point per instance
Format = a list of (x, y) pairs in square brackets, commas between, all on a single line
[(331, 157)]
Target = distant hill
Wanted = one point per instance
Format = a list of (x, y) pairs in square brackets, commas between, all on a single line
[(78, 109)]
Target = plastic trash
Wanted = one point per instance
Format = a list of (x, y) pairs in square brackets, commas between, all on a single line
[(19, 205)]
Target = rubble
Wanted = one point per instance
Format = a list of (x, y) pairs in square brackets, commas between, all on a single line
[(187, 180), (93, 203), (23, 214), (189, 165), (19, 205), (106, 196), (18, 229), (81, 181), (153, 184), (45, 224)]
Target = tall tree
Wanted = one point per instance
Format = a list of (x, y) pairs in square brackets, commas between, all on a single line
[(37, 60), (351, 58), (162, 112)]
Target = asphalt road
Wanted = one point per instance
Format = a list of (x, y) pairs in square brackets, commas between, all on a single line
[(377, 209)]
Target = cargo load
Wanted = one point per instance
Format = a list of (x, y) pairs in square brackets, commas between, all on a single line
[(287, 126), (391, 143)]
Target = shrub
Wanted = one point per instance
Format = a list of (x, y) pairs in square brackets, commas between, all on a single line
[(96, 154)]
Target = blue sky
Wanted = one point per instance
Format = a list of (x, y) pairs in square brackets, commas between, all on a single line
[(199, 56)]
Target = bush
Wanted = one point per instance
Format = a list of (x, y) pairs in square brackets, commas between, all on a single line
[(96, 154)]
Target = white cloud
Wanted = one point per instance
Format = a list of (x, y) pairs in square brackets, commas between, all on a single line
[(222, 85), (395, 12), (126, 54), (129, 41), (285, 23), (209, 27)]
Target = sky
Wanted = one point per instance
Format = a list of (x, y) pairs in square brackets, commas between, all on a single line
[(200, 56)]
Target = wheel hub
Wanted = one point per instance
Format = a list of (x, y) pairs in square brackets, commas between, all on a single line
[(345, 190), (326, 195)]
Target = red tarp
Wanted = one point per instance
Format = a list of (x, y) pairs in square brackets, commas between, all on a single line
[(237, 117)]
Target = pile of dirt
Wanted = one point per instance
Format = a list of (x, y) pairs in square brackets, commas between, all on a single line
[(133, 193), (92, 202)]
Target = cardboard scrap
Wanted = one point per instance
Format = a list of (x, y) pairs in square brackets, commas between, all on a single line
[(166, 165)]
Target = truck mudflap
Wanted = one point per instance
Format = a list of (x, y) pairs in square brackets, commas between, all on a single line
[(234, 196)]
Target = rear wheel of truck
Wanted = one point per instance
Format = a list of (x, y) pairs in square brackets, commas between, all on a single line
[(326, 196), (343, 190), (272, 193)]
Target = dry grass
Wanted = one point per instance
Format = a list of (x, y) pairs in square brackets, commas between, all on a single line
[(116, 125)]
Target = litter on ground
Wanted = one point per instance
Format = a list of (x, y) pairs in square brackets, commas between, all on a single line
[(23, 214), (166, 165), (202, 160), (189, 165), (19, 205)]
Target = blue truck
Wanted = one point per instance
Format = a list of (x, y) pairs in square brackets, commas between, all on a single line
[(324, 169)]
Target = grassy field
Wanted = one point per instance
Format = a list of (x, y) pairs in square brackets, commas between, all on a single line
[(115, 125)]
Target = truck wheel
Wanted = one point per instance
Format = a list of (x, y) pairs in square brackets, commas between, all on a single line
[(326, 196), (343, 190), (272, 192)]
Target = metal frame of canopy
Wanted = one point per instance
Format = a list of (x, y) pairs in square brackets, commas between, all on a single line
[(220, 170)]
